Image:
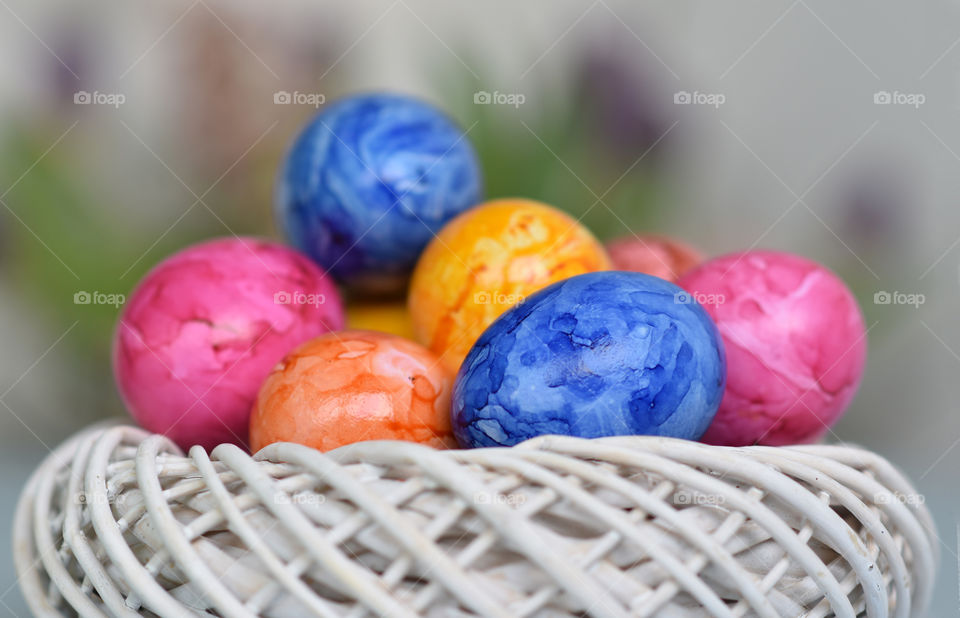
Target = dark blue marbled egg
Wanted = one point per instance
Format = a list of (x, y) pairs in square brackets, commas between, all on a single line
[(369, 182), (600, 354)]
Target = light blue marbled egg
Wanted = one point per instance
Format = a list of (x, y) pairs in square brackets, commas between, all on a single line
[(367, 184)]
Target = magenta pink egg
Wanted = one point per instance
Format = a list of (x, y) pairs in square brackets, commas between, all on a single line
[(796, 346), (205, 327)]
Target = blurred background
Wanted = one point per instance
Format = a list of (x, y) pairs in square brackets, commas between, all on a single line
[(130, 130)]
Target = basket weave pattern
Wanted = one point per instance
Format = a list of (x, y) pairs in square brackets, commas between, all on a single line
[(118, 522)]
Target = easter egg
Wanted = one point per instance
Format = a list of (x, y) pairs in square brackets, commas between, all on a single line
[(599, 354), (351, 386), (659, 256), (487, 260), (392, 318), (368, 183), (204, 328), (796, 346)]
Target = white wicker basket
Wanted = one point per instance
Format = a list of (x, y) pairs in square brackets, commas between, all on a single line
[(118, 522)]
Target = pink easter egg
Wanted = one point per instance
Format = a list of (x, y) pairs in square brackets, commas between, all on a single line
[(659, 256), (796, 346), (204, 328)]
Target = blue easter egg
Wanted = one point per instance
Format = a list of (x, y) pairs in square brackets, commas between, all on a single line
[(369, 182), (601, 354)]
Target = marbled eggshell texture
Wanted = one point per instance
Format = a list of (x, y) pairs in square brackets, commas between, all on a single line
[(489, 259), (659, 256), (599, 354), (352, 386), (796, 346), (369, 182), (204, 328)]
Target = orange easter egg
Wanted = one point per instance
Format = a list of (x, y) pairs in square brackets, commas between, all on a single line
[(488, 259), (354, 385)]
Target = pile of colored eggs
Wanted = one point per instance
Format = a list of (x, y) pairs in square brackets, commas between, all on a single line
[(471, 323)]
